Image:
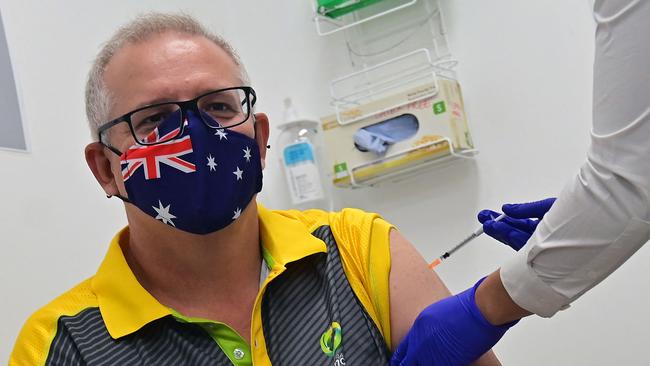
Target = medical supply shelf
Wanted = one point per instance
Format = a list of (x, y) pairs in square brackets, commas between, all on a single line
[(370, 84), (417, 26), (394, 46)]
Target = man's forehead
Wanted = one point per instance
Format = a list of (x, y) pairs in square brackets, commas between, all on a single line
[(168, 66)]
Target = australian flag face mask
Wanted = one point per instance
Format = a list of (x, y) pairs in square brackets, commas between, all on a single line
[(198, 182)]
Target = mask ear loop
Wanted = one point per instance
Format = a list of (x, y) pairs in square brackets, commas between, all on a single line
[(255, 131), (118, 153)]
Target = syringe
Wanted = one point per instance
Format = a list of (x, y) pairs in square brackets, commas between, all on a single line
[(474, 235)]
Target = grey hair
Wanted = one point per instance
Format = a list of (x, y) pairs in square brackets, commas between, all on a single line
[(98, 97)]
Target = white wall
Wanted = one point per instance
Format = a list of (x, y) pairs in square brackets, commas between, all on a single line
[(526, 74)]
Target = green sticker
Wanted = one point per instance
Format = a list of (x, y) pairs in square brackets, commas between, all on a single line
[(341, 167), (439, 107), (331, 339)]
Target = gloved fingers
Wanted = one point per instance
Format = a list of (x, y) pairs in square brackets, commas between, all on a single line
[(526, 225), (517, 239), (506, 234), (490, 229), (535, 209), (486, 215)]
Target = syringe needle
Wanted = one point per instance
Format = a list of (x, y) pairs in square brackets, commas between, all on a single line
[(464, 242)]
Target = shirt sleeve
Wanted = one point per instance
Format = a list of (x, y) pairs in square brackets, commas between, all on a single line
[(602, 217)]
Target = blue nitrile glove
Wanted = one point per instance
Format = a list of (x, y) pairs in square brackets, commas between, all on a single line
[(370, 141), (379, 136), (515, 229), (449, 332)]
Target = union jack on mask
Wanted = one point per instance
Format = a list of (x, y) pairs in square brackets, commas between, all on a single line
[(198, 182)]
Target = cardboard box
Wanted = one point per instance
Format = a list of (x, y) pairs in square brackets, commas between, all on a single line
[(441, 121)]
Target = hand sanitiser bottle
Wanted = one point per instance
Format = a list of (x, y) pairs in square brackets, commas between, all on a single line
[(300, 146)]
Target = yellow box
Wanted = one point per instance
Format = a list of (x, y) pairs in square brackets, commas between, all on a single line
[(441, 122)]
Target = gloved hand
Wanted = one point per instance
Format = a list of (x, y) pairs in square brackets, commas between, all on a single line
[(517, 228), (449, 332)]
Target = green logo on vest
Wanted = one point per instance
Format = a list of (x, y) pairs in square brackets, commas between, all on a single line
[(331, 339)]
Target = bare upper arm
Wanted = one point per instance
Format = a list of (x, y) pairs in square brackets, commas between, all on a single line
[(413, 287)]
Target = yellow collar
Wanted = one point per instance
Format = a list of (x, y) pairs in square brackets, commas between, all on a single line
[(126, 306), (286, 236)]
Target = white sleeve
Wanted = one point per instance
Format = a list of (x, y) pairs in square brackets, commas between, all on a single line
[(602, 217)]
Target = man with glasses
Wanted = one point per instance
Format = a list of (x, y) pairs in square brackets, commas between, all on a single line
[(202, 274)]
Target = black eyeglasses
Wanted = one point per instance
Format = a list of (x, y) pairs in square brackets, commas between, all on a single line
[(223, 108)]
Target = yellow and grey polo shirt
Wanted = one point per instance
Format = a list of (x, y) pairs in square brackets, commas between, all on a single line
[(324, 302)]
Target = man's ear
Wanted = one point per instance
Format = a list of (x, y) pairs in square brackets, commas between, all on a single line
[(100, 165), (262, 134)]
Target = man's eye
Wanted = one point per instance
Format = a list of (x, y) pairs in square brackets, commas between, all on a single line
[(218, 107), (154, 119)]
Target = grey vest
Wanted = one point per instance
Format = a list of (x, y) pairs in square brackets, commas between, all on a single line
[(301, 304)]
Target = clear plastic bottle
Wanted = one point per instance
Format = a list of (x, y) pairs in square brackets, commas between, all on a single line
[(300, 154)]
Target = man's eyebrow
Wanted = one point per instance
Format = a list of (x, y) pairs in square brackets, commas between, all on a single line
[(170, 100), (155, 101)]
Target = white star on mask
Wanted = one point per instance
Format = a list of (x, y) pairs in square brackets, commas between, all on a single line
[(222, 134), (238, 173), (211, 163), (163, 214), (247, 153), (237, 213)]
